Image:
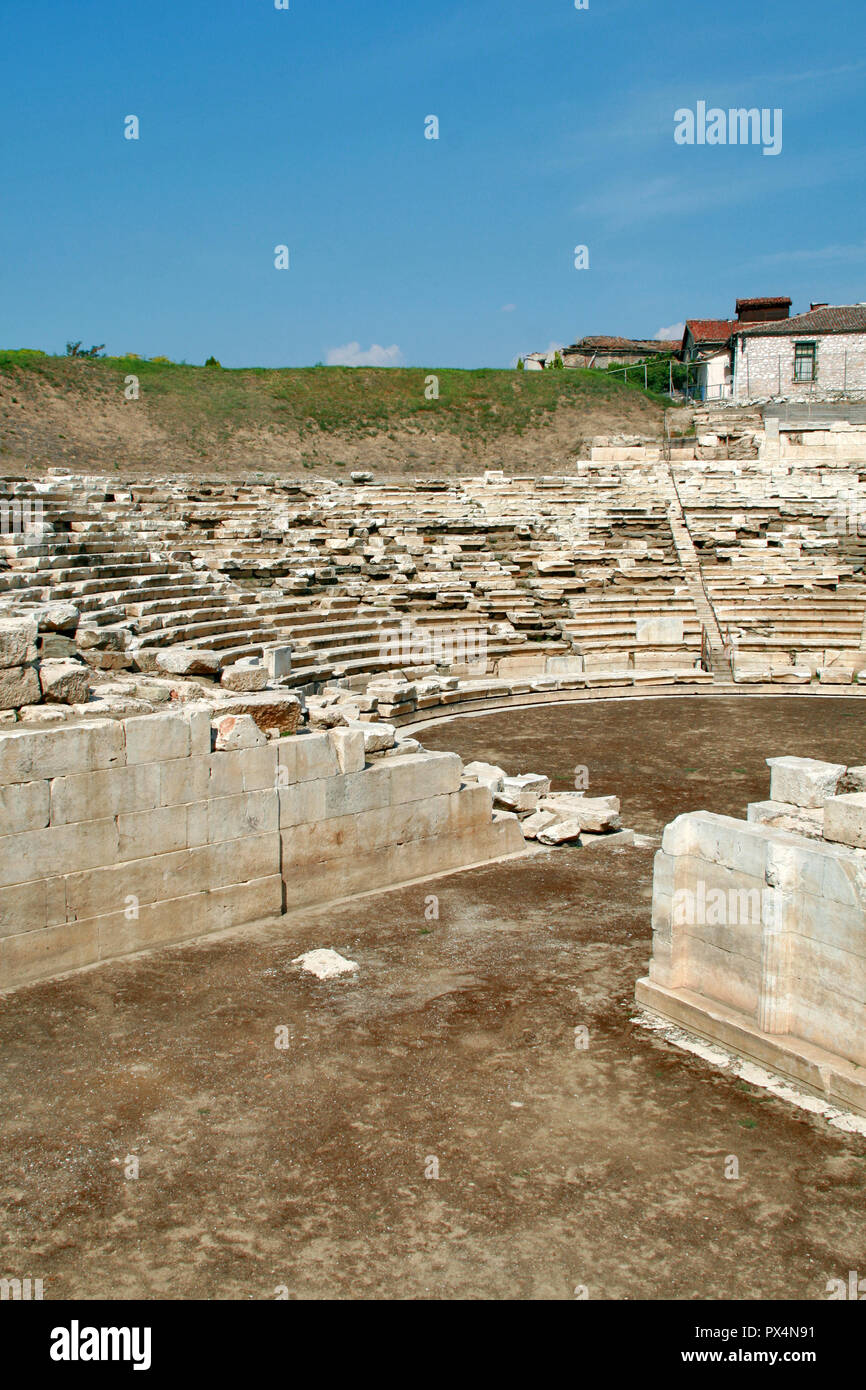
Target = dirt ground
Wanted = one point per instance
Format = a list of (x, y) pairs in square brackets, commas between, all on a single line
[(305, 1168), (43, 427)]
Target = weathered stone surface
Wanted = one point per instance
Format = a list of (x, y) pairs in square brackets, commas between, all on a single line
[(236, 731), (522, 793), (271, 709), (245, 677), (17, 642), (57, 617), (591, 812), (803, 781), (560, 832), (19, 685), (537, 822), (378, 736), (486, 774), (187, 661), (65, 682), (845, 819)]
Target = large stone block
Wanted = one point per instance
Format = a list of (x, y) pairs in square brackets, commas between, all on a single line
[(845, 819), (247, 770), (17, 642), (23, 806), (234, 817), (65, 682), (411, 776), (303, 803), (350, 748), (33, 955), (803, 781), (59, 849), (271, 709), (111, 792), (19, 685), (306, 758), (30, 754), (154, 738)]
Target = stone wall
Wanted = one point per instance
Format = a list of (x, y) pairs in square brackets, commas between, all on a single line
[(759, 928), (765, 370), (119, 835)]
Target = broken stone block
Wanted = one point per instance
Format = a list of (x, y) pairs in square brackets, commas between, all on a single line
[(348, 745), (377, 735), (522, 793), (784, 816), (187, 661), (57, 617), (845, 819), (237, 731), (19, 685), (486, 775), (17, 642), (803, 781), (271, 709), (537, 822), (591, 812), (245, 676), (560, 832), (65, 682)]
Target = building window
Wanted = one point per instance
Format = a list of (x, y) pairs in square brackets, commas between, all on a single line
[(805, 361)]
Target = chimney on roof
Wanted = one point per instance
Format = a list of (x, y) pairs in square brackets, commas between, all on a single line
[(763, 310), (822, 305)]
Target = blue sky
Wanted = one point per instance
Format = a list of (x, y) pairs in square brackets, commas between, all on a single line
[(261, 127)]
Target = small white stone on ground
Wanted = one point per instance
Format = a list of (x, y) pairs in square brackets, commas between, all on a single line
[(325, 964)]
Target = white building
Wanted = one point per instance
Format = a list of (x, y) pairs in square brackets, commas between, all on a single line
[(816, 356)]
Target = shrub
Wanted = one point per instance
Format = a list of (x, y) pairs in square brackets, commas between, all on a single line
[(212, 362)]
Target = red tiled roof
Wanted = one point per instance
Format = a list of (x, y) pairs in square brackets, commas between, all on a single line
[(710, 330), (769, 303), (835, 318)]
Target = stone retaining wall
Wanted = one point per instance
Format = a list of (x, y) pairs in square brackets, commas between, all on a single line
[(118, 835), (759, 932)]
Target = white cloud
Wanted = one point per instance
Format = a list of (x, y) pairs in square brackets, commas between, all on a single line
[(508, 308), (675, 330), (352, 355)]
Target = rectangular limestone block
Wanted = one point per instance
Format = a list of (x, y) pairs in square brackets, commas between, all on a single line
[(803, 781), (720, 839), (335, 838), (303, 803), (158, 831), (154, 738), (349, 747), (24, 907), (162, 877), (244, 770), (110, 792), (233, 817), (30, 754), (198, 716), (17, 642), (413, 820), (156, 924), (412, 776), (306, 758), (244, 902), (59, 849), (181, 780), (845, 819), (33, 955), (23, 806), (351, 793), (19, 685)]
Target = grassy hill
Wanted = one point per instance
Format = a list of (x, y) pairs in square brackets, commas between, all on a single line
[(73, 412)]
